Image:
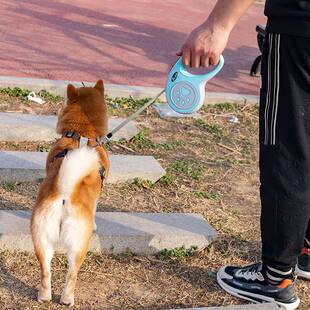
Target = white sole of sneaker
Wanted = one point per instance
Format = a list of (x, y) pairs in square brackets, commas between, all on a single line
[(302, 274), (253, 297)]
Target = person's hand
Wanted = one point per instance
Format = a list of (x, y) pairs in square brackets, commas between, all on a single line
[(204, 46)]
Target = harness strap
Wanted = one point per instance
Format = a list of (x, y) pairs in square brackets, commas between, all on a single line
[(102, 175), (82, 142), (61, 154), (72, 135)]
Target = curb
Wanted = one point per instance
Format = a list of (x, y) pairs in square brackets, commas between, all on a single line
[(30, 167), (120, 232), (115, 90), (18, 127)]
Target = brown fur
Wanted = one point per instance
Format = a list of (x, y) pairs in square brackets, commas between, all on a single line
[(86, 115)]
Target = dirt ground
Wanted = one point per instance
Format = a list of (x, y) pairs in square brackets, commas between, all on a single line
[(211, 165)]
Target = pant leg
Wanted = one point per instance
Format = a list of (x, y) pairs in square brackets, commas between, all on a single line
[(307, 238), (284, 148)]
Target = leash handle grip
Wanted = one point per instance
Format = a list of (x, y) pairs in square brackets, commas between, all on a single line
[(202, 77)]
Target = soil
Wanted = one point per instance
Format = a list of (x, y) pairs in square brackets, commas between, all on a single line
[(212, 169)]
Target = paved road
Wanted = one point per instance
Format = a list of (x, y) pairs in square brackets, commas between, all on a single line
[(124, 42)]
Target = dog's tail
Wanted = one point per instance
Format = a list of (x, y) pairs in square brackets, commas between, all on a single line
[(77, 165)]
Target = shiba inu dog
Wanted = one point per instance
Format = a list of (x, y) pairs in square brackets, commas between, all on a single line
[(66, 203)]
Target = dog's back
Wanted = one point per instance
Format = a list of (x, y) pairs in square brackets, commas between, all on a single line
[(67, 198)]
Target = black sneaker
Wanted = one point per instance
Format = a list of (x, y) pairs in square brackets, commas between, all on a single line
[(303, 265), (250, 284)]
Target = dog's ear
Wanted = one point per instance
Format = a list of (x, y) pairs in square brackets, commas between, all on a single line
[(99, 86), (71, 92)]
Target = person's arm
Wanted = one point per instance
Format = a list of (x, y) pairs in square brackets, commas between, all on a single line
[(206, 43)]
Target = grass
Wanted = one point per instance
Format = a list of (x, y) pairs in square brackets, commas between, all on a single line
[(138, 182), (141, 141), (208, 195), (9, 186), (211, 128), (56, 99), (15, 92), (179, 253), (225, 106), (22, 93), (188, 167), (167, 179), (43, 147), (124, 105)]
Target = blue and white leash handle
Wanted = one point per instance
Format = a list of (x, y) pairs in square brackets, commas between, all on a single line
[(185, 93)]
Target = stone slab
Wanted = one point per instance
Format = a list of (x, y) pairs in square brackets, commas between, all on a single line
[(29, 127), (29, 166), (116, 90), (165, 111), (120, 232), (264, 306)]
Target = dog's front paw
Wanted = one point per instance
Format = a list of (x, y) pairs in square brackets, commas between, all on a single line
[(67, 300), (44, 295)]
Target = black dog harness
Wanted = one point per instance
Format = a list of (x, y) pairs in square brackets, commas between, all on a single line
[(82, 142)]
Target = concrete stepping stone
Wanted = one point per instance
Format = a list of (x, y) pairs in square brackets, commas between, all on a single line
[(264, 306), (165, 111), (30, 166), (120, 232), (30, 127)]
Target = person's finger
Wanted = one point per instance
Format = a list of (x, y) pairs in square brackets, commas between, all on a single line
[(186, 56), (195, 59), (179, 53), (214, 59), (205, 61)]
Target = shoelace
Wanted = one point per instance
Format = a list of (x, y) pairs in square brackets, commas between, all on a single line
[(252, 272)]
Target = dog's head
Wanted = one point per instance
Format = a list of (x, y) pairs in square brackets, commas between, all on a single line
[(85, 112)]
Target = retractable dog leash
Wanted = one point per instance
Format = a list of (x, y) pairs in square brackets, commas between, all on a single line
[(185, 92)]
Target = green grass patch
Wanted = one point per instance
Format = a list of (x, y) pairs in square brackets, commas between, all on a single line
[(187, 167), (141, 141), (50, 97), (15, 92), (208, 195), (180, 253), (172, 146), (9, 186), (225, 106), (212, 128), (22, 93), (43, 147), (138, 182), (166, 179), (125, 103)]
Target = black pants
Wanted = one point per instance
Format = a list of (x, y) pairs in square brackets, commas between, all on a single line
[(285, 148)]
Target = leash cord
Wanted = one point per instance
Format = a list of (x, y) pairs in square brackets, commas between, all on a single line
[(129, 119)]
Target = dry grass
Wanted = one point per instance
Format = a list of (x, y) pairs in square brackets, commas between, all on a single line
[(211, 169)]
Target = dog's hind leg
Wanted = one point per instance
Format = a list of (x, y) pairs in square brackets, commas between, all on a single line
[(45, 257), (45, 224), (76, 234)]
